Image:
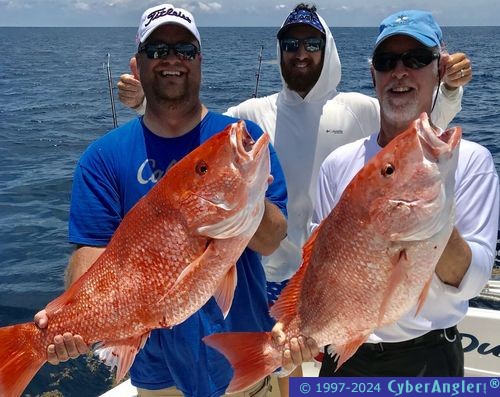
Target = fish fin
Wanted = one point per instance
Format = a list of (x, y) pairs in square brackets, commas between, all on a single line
[(121, 354), (345, 352), (20, 360), (286, 305), (189, 269), (398, 273), (225, 292), (423, 296), (251, 355)]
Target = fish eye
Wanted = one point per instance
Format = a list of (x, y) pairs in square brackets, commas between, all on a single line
[(388, 170), (201, 168)]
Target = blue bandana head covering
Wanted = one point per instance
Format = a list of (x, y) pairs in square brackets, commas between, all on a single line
[(301, 16)]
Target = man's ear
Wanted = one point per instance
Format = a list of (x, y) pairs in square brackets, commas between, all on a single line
[(372, 72)]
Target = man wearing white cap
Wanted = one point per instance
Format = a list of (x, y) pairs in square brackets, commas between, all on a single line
[(121, 167)]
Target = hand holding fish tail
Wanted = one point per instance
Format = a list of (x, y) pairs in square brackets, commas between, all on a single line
[(296, 350), (65, 347)]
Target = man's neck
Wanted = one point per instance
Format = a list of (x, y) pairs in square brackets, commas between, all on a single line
[(175, 121), (389, 131)]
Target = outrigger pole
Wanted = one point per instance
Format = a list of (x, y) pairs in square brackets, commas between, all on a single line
[(110, 86), (257, 75)]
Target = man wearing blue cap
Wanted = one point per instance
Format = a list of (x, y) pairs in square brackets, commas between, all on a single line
[(406, 72)]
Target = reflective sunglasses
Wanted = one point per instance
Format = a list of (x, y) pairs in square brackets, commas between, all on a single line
[(184, 51), (312, 44), (413, 59)]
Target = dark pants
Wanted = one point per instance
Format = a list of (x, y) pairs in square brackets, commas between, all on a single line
[(431, 354)]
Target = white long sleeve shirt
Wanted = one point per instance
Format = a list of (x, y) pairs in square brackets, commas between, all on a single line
[(305, 130), (477, 195)]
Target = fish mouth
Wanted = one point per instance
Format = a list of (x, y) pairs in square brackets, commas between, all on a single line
[(244, 146), (250, 160), (437, 144)]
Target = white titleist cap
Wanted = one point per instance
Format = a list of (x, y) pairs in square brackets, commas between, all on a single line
[(163, 14)]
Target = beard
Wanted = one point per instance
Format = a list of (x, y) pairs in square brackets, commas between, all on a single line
[(301, 80), (398, 112)]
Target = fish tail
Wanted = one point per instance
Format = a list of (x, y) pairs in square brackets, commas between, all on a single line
[(19, 359), (251, 355)]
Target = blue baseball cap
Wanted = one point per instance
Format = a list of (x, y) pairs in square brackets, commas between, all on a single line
[(420, 25), (301, 16)]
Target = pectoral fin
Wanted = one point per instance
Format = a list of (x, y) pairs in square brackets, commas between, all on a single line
[(121, 353), (225, 292)]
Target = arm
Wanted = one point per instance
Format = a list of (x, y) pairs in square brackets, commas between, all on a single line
[(273, 226), (466, 263), (271, 231), (67, 346), (449, 100), (454, 261)]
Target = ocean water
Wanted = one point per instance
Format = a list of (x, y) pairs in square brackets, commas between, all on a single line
[(54, 102)]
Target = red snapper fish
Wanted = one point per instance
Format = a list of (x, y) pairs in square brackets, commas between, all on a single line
[(369, 262), (174, 249)]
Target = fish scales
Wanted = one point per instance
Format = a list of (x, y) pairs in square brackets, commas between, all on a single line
[(174, 250), (370, 261)]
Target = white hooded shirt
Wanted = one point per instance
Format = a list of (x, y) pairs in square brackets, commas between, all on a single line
[(304, 131)]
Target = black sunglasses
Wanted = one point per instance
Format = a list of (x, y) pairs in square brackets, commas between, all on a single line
[(184, 51), (413, 59), (312, 44)]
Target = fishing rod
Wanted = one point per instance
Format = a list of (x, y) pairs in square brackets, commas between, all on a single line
[(111, 96), (257, 75)]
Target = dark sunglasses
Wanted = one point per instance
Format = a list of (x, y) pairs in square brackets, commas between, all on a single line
[(184, 51), (413, 59), (312, 44)]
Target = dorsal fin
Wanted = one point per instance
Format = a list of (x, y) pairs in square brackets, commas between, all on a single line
[(286, 305)]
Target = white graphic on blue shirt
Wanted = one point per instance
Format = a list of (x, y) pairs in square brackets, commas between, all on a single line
[(148, 172)]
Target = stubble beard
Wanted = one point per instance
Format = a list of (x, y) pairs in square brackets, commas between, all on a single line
[(175, 96)]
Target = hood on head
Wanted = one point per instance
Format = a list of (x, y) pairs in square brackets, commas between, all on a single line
[(330, 74)]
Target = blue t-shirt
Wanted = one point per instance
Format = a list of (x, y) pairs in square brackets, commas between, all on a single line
[(111, 176)]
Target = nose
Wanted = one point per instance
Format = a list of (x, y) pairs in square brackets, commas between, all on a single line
[(171, 56), (400, 70), (301, 52)]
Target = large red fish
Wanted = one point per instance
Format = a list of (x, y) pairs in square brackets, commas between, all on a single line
[(386, 234), (174, 249)]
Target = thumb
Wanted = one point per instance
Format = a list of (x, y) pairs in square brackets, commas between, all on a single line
[(443, 64), (133, 68)]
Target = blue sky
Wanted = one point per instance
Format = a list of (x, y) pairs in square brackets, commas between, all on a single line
[(240, 12)]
